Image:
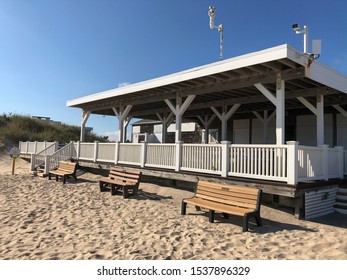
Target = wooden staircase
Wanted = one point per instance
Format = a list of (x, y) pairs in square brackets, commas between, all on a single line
[(341, 200)]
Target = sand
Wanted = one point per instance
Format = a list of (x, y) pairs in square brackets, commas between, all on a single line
[(42, 219)]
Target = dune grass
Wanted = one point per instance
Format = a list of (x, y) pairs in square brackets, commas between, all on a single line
[(23, 128)]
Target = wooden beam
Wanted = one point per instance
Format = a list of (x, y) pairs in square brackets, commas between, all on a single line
[(341, 110)]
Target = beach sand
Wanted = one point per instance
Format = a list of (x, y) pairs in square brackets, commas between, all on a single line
[(42, 219)]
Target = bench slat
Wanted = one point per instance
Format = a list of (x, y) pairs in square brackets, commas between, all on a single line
[(235, 188), (218, 207), (227, 198), (229, 192)]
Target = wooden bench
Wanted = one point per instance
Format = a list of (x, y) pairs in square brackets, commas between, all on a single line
[(123, 180), (64, 169), (227, 199)]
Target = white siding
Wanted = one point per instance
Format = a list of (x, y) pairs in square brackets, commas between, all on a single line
[(306, 130), (341, 131), (241, 132)]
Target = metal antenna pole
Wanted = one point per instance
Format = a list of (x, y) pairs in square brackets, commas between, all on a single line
[(220, 30), (211, 14)]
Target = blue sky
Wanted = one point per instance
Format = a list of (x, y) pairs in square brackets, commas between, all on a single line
[(52, 51)]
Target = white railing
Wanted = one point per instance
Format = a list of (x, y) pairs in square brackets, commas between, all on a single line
[(33, 147), (259, 161), (130, 153), (39, 158), (289, 163), (161, 155), (86, 151), (51, 161), (310, 163), (106, 152), (202, 158), (333, 163), (65, 153)]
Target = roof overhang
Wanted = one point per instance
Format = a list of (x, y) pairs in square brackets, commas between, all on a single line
[(226, 82)]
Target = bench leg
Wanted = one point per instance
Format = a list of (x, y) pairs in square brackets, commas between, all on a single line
[(211, 216), (102, 186), (49, 176), (258, 220), (113, 190), (183, 208), (245, 223), (56, 178), (64, 179), (125, 192)]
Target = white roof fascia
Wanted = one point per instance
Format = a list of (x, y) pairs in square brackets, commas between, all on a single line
[(316, 71), (323, 74), (263, 56), (319, 72)]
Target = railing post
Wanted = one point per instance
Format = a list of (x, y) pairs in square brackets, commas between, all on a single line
[(143, 153), (27, 147), (72, 148), (78, 152), (178, 163), (325, 161), (292, 162), (44, 144), (46, 164), (35, 147), (32, 162), (96, 144), (116, 152), (225, 158), (341, 161), (56, 143)]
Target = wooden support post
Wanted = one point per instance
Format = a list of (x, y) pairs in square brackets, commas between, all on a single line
[(165, 120), (265, 121), (279, 102), (319, 112), (122, 114), (224, 117), (206, 123), (178, 111), (85, 116)]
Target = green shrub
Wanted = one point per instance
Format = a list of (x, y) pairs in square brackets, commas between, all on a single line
[(23, 128)]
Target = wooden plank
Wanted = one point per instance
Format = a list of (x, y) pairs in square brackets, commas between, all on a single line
[(218, 207), (235, 188), (229, 192), (229, 197), (227, 201)]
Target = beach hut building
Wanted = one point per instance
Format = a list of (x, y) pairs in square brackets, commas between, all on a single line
[(278, 116)]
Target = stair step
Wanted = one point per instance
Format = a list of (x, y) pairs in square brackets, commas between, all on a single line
[(341, 209), (339, 200), (342, 193)]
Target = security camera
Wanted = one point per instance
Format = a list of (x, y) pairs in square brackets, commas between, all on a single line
[(296, 27), (211, 11)]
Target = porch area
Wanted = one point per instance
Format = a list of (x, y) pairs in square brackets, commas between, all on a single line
[(290, 163)]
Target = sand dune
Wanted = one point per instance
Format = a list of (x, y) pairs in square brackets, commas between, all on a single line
[(42, 219)]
